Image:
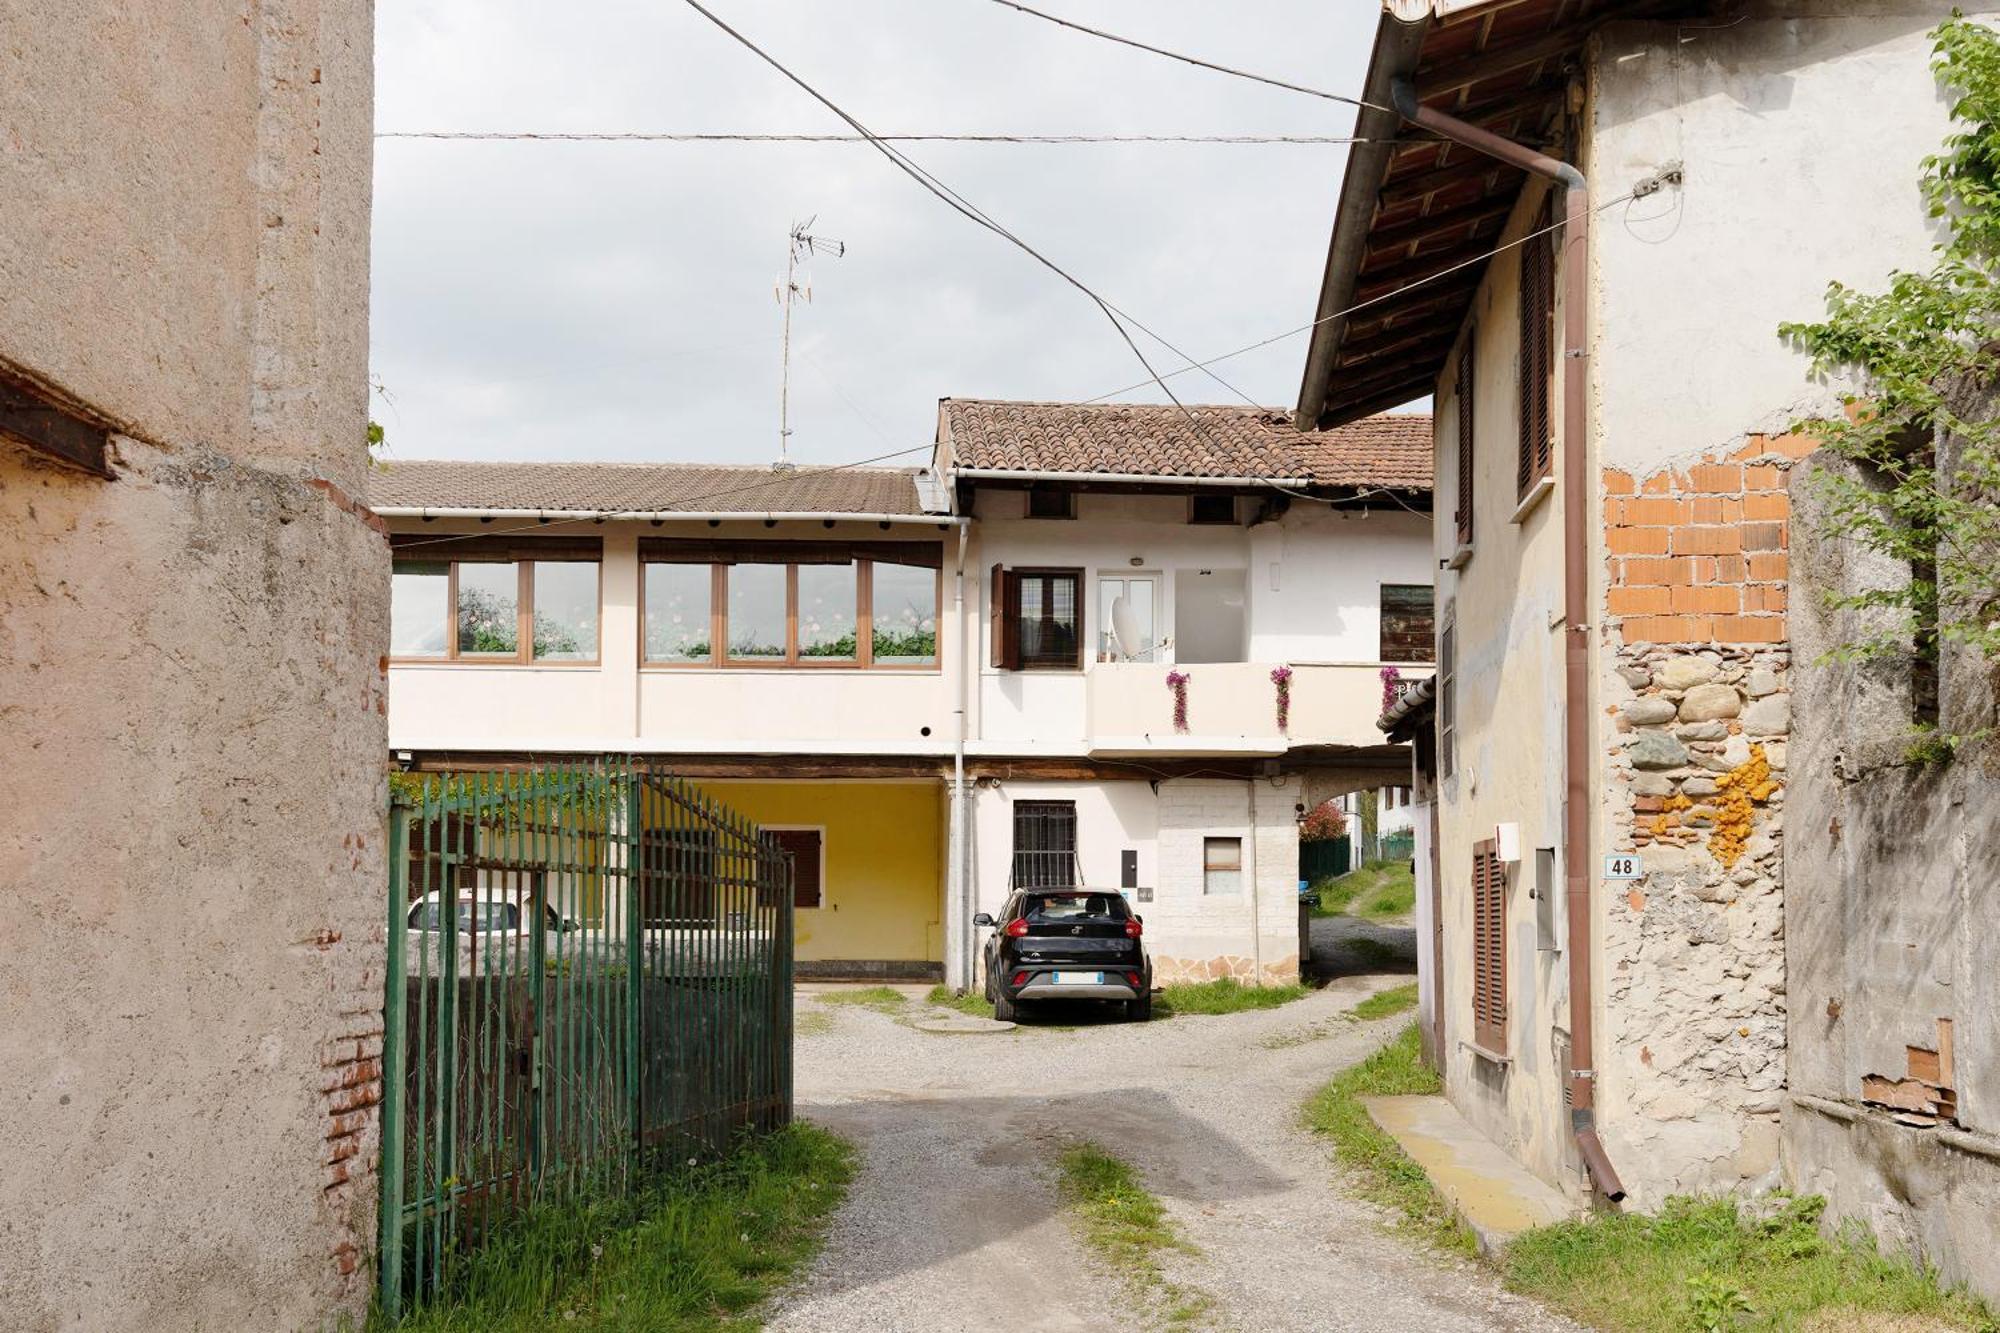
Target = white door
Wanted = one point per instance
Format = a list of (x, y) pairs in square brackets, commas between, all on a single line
[(1128, 618)]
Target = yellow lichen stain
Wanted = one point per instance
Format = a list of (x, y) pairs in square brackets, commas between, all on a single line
[(1737, 792)]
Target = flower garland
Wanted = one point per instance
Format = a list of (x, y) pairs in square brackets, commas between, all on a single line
[(1282, 678), (1392, 680), (1177, 681)]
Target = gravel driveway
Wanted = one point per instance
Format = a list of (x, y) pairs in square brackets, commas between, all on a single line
[(954, 1223)]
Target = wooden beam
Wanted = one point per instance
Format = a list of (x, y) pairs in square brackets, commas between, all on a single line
[(37, 419), (1425, 226)]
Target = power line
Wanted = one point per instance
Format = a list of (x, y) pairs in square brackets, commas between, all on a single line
[(640, 136), (958, 203), (777, 478), (1194, 60)]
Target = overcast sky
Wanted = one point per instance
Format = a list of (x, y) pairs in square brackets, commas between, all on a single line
[(615, 301)]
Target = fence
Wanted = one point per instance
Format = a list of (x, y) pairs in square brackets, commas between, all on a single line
[(590, 974), (1323, 859)]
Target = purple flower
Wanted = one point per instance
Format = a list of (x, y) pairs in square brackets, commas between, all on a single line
[(1177, 681)]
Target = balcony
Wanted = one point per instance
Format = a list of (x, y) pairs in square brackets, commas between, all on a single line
[(1232, 708)]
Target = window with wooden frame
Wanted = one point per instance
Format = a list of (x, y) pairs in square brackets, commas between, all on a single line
[(1489, 949), (1447, 698), (1538, 345), (492, 601), (806, 844), (1215, 509), (1036, 619), (872, 605), (1221, 866), (1042, 503), (1466, 392), (1408, 633)]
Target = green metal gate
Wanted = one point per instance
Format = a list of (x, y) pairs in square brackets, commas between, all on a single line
[(590, 975)]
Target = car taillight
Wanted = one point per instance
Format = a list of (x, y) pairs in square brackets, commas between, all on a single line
[(1016, 928), (1020, 979), (1134, 927), (1132, 979)]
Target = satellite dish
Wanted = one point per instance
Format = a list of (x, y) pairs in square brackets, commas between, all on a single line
[(1125, 629)]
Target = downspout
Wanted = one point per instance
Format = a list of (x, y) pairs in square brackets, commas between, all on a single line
[(1576, 644), (960, 885)]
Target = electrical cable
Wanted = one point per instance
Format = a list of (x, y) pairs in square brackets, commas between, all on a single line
[(1194, 60), (637, 136)]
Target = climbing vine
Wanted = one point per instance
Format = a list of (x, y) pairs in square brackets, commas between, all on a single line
[(1919, 352)]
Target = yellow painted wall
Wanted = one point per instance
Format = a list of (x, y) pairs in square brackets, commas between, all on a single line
[(885, 863)]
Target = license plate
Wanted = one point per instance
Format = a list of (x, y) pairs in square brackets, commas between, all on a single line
[(1079, 978)]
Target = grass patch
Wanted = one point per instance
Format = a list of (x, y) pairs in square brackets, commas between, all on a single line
[(881, 999), (1383, 1174), (812, 1023), (1127, 1226), (690, 1254), (1377, 890), (1227, 996), (1705, 1264), (973, 1003), (1395, 1000)]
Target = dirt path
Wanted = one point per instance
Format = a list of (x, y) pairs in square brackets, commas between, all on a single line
[(954, 1224)]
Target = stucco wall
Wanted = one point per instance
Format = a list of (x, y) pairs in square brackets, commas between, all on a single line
[(190, 688), (1891, 916)]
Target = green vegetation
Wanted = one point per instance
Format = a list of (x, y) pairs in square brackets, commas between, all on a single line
[(1127, 1226), (1227, 996), (1914, 348), (812, 1023), (881, 999), (972, 1002), (1382, 1004), (1378, 889), (1382, 1173), (1706, 1264), (694, 1253)]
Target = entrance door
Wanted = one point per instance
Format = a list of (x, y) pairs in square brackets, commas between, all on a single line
[(1128, 618)]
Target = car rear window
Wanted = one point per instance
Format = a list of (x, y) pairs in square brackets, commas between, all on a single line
[(1078, 907)]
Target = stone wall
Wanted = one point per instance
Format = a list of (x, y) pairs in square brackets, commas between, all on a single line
[(1251, 936)]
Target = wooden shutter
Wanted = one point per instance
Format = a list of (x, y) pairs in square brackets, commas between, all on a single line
[(1463, 514), (1004, 619), (1489, 949), (804, 846), (1538, 313)]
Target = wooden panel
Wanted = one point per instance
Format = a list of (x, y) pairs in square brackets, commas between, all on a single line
[(1537, 306), (1489, 949), (804, 846), (1466, 391)]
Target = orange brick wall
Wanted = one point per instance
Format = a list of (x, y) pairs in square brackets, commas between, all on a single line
[(1698, 554)]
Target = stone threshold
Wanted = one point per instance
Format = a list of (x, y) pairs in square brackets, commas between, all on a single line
[(1494, 1195)]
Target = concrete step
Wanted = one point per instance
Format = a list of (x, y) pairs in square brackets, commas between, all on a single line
[(1495, 1195)]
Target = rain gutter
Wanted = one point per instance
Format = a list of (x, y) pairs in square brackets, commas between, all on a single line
[(656, 516)]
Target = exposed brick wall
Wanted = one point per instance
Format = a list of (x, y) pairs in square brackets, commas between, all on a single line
[(1698, 554), (350, 1090)]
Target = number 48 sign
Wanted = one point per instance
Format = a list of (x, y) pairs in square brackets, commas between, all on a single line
[(1624, 865)]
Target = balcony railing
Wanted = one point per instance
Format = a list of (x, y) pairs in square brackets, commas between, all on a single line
[(1232, 707)]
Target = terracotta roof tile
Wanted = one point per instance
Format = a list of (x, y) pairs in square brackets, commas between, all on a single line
[(642, 488), (1159, 440)]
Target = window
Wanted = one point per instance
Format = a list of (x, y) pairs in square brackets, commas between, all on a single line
[(486, 602), (1538, 318), (1036, 619), (807, 848), (741, 603), (1051, 504), (1489, 949), (1447, 699), (1466, 392), (1221, 865), (1407, 631), (1126, 618), (1212, 509), (1044, 845)]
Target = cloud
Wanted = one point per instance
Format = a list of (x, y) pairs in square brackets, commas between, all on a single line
[(615, 301)]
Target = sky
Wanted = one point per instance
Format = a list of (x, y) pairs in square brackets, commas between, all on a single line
[(582, 301)]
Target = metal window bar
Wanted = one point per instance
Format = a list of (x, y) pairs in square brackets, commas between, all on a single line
[(547, 1032), (1044, 846)]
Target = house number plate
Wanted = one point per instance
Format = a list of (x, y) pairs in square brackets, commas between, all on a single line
[(1624, 865)]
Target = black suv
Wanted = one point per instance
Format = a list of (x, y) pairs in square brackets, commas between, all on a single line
[(1067, 944)]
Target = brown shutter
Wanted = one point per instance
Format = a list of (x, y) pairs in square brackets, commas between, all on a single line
[(1537, 303), (1004, 619), (1489, 949), (803, 845), (1465, 392)]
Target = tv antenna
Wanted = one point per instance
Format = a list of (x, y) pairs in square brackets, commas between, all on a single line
[(804, 245)]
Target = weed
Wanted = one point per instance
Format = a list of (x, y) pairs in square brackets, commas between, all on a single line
[(1396, 1000), (1382, 1172), (973, 1003), (1226, 996), (812, 1023), (1127, 1227), (692, 1253), (881, 999), (1378, 889)]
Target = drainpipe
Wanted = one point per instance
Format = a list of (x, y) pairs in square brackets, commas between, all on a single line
[(960, 883), (1576, 644)]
